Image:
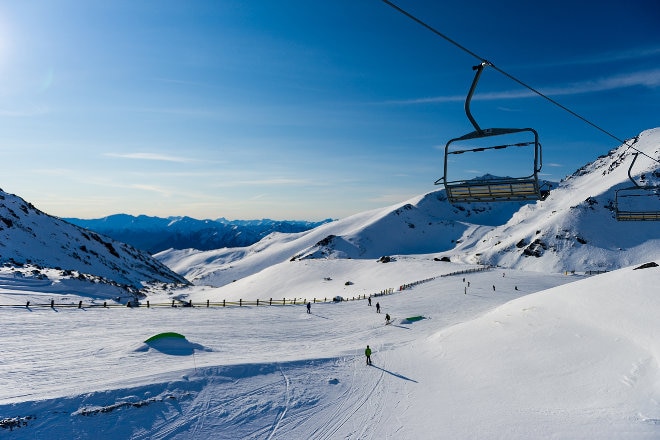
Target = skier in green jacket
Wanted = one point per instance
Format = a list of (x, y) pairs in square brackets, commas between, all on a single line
[(367, 353)]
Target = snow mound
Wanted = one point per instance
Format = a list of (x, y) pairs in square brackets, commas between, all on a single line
[(171, 343)]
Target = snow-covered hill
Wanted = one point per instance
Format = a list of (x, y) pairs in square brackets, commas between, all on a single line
[(574, 229), (578, 359), (425, 224), (37, 241)]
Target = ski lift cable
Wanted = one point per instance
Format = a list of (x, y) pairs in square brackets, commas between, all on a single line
[(513, 78)]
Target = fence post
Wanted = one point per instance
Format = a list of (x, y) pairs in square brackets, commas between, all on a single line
[(240, 302), (257, 302), (207, 303), (223, 303), (172, 303), (270, 303), (147, 303), (283, 301)]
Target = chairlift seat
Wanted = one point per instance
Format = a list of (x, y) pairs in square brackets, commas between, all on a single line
[(643, 210), (624, 216), (495, 190), (501, 189)]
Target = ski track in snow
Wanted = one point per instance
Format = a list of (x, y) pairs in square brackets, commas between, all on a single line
[(286, 404), (350, 404)]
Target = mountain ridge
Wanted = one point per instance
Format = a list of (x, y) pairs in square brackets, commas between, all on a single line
[(553, 235)]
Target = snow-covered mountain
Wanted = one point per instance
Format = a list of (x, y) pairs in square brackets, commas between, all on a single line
[(29, 237), (423, 225), (574, 229), (155, 234)]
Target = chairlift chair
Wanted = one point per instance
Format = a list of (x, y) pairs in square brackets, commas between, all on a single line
[(498, 188), (637, 203)]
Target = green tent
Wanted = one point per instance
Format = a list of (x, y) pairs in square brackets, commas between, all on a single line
[(413, 319), (172, 343), (166, 335)]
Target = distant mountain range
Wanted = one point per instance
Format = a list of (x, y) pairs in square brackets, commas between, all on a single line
[(155, 234)]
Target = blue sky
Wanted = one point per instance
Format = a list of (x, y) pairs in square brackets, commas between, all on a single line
[(297, 109)]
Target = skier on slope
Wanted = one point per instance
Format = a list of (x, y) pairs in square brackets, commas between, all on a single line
[(387, 318), (309, 307), (367, 353)]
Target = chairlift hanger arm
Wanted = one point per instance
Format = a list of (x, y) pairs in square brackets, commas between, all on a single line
[(630, 171), (479, 69)]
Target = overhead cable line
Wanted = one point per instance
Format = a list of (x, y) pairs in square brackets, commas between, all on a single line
[(513, 78)]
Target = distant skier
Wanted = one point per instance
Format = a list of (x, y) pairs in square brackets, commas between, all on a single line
[(387, 318), (367, 353), (493, 287), (309, 307), (369, 301), (377, 307)]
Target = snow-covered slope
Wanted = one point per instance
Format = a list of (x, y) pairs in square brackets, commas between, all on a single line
[(31, 237), (573, 361)]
